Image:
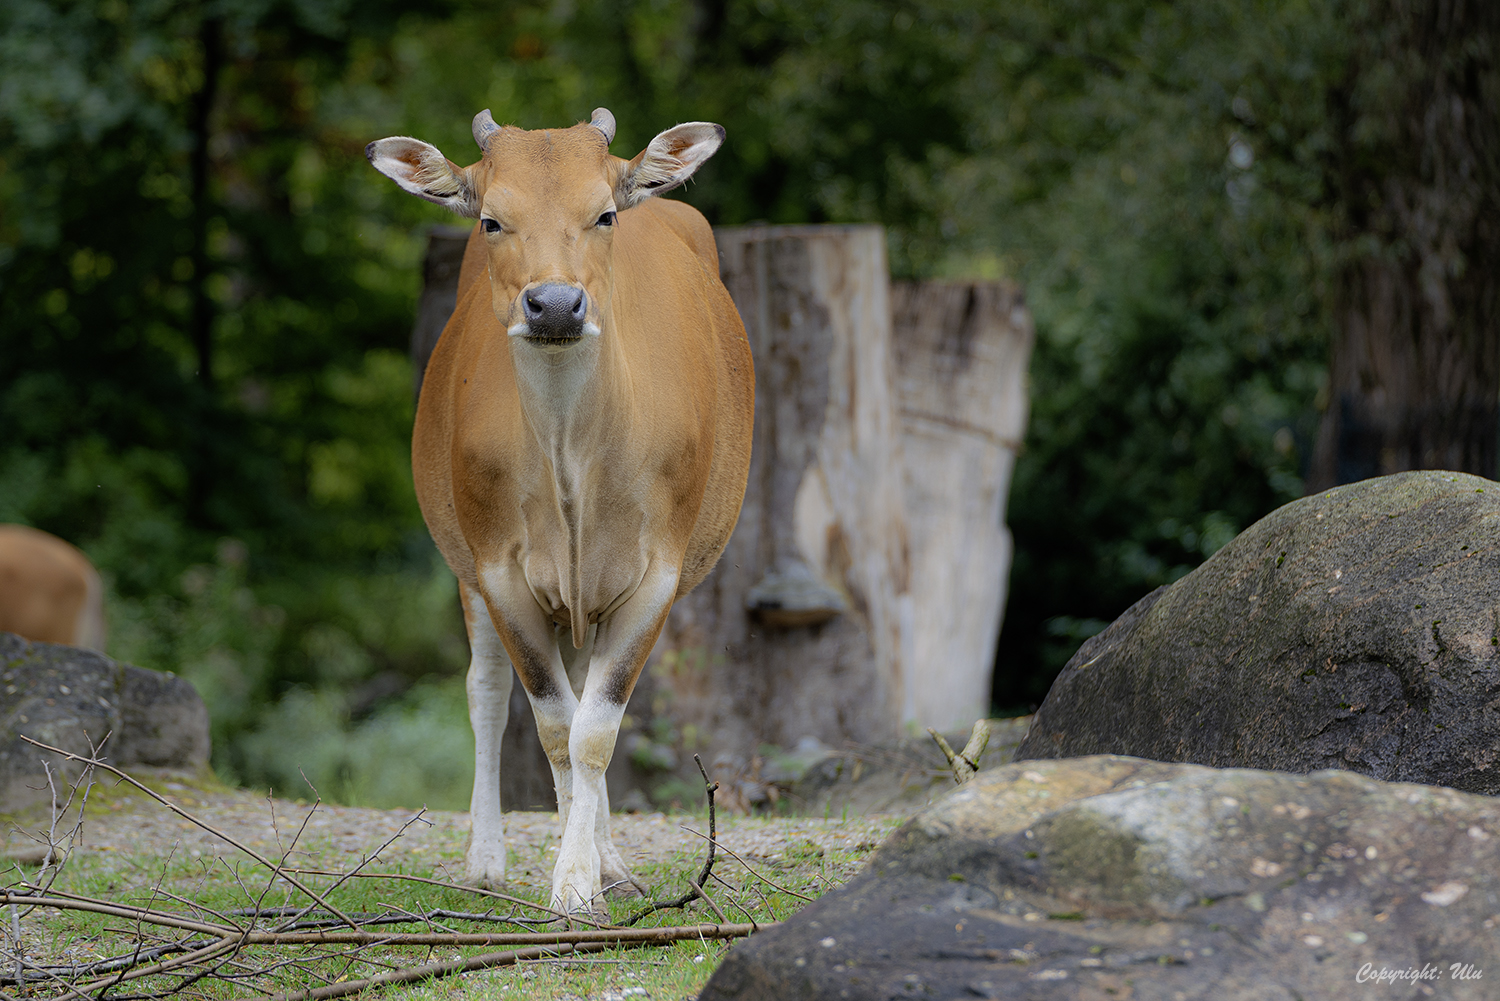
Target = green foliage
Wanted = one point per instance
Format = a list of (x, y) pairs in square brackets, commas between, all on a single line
[(258, 528), (1152, 173), (1156, 184)]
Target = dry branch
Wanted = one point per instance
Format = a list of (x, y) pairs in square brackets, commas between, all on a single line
[(965, 763), (214, 947), (710, 787), (96, 763)]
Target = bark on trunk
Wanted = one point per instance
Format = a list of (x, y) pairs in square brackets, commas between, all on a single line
[(804, 628), (445, 255), (962, 352), (1415, 184)]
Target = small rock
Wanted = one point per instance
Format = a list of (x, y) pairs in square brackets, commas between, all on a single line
[(74, 699)]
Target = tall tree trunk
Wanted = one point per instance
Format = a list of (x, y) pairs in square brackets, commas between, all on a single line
[(1414, 179)]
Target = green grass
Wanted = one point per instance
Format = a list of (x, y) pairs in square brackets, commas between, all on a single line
[(223, 884)]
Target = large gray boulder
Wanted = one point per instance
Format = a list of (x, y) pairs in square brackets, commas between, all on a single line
[(1111, 877), (73, 699), (1356, 629)]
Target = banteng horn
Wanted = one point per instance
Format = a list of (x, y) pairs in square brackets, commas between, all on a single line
[(484, 127), (604, 122)]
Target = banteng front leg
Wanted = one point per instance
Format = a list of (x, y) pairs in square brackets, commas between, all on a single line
[(517, 627), (489, 684), (613, 875), (620, 649)]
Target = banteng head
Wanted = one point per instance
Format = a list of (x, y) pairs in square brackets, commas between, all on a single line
[(547, 202)]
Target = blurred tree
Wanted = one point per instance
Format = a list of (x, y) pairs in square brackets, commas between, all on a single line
[(201, 335), (1150, 172), (1413, 183)]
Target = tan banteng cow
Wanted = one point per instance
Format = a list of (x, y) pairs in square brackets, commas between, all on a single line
[(49, 591), (581, 444)]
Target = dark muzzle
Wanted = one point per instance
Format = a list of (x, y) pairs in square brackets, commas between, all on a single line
[(554, 312)]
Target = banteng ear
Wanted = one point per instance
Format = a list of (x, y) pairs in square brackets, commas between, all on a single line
[(669, 160), (425, 172)]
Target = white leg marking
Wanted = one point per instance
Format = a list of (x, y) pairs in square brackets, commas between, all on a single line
[(620, 649), (612, 870), (489, 684), (576, 881), (531, 641)]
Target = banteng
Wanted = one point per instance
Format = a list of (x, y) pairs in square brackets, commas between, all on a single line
[(582, 442), (49, 591)]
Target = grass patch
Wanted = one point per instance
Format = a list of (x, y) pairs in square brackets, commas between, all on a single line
[(788, 865)]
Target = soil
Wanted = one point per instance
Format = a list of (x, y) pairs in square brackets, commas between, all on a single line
[(339, 837), (847, 800)]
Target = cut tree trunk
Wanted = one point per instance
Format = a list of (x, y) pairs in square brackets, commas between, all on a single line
[(1415, 188), (803, 630), (962, 352), (445, 254)]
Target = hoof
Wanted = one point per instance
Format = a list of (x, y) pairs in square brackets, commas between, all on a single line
[(485, 869), (622, 886), (572, 897)]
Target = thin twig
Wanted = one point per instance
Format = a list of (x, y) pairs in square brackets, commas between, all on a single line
[(752, 872), (286, 853), (417, 818), (697, 891), (191, 819)]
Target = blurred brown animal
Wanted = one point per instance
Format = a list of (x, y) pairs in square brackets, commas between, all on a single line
[(49, 591)]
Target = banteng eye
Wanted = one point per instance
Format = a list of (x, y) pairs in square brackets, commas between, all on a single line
[(607, 219), (490, 225)]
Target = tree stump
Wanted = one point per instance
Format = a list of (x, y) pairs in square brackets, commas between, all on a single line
[(445, 254), (962, 352), (804, 627)]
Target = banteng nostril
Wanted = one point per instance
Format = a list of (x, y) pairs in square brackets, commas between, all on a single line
[(533, 305), (578, 305)]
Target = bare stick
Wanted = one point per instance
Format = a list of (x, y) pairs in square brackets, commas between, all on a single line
[(708, 864), (965, 763), (620, 935), (458, 886), (507, 958), (193, 820), (72, 902), (15, 934)]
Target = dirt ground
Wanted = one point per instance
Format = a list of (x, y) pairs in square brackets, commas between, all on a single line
[(339, 837), (850, 800)]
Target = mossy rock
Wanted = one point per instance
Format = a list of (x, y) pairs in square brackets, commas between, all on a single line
[(1355, 629), (1112, 877)]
